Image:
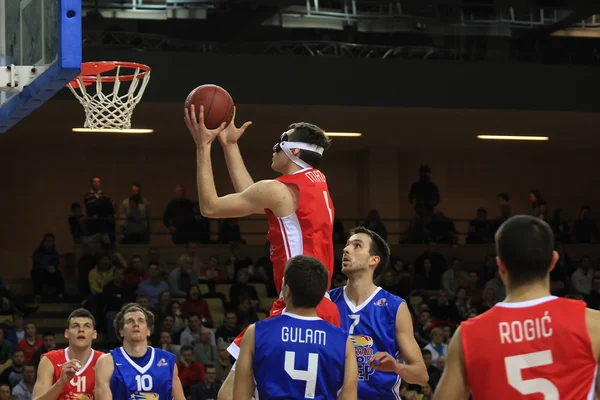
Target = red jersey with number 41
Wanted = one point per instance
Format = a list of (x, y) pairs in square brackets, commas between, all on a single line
[(309, 230), (81, 387), (534, 350)]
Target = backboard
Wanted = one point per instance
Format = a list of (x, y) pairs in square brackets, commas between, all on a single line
[(40, 52)]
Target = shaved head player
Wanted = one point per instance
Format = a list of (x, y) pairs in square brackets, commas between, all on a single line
[(532, 345), (297, 203)]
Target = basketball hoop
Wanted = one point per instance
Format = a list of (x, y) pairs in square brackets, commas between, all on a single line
[(110, 111)]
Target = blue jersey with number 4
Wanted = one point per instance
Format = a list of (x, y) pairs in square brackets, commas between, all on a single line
[(372, 328), (298, 357), (151, 381)]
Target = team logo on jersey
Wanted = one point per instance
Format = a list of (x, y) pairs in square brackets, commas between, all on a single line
[(363, 349), (162, 363), (144, 396), (381, 302)]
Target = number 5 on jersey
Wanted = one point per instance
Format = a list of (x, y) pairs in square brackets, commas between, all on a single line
[(144, 383), (309, 375), (515, 366)]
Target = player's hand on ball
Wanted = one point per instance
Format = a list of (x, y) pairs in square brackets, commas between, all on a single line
[(232, 134), (195, 123), (385, 362), (69, 369)]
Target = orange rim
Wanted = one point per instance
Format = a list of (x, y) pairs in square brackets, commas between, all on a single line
[(91, 70)]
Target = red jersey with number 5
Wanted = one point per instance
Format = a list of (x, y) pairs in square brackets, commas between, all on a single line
[(309, 230), (535, 350), (81, 387)]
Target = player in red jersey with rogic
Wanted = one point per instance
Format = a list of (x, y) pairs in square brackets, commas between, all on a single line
[(297, 204), (531, 346), (68, 374)]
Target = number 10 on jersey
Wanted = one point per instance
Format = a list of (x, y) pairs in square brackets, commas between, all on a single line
[(144, 383)]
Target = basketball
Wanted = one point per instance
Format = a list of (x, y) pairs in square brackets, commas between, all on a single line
[(217, 102)]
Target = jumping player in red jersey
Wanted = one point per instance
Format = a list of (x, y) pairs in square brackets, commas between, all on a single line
[(531, 346), (68, 374), (297, 204)]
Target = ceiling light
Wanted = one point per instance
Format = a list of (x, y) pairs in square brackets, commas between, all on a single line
[(511, 137), (119, 131), (343, 134)]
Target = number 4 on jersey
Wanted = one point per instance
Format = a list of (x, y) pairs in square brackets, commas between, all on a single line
[(309, 375), (80, 383)]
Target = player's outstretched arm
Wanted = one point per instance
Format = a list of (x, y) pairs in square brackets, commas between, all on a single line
[(350, 387), (104, 371), (414, 371), (44, 389), (243, 385), (177, 387), (453, 384), (240, 177)]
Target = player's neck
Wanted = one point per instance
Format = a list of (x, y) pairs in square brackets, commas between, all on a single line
[(136, 349), (81, 354), (303, 312), (527, 292), (291, 169), (359, 288)]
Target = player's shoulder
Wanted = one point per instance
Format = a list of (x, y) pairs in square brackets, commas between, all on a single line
[(55, 355), (383, 298), (96, 354), (162, 355), (309, 175), (336, 295)]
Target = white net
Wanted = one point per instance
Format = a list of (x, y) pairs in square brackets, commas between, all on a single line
[(111, 110)]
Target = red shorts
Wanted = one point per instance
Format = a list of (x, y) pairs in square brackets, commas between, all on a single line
[(326, 310)]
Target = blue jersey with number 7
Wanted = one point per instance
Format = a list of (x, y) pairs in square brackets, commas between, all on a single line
[(298, 357), (153, 380)]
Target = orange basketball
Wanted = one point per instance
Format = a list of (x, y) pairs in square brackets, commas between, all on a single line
[(217, 102)]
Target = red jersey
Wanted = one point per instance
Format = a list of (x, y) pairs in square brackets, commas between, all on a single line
[(535, 350), (309, 230), (81, 387), (28, 348)]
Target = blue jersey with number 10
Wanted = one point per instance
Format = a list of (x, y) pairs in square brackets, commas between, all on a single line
[(372, 328), (153, 381), (298, 357)]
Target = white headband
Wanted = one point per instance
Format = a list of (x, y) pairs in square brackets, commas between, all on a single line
[(287, 146)]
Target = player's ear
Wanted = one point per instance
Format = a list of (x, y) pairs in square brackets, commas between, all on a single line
[(374, 261), (501, 266), (94, 334), (555, 258), (66, 333)]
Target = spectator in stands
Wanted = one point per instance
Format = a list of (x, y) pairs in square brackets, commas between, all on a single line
[(480, 229), (238, 258), (474, 288), (487, 271), (99, 276), (427, 392), (229, 231), (229, 330), (4, 392), (265, 263), (437, 259), (390, 282), (77, 223), (204, 351), (442, 309), (539, 208), (114, 296), (49, 345), (488, 300), (31, 342), (441, 228), (191, 335), (45, 268), (154, 257), (432, 371), (116, 258), (190, 371), (100, 210), (135, 274), (374, 222), (179, 217), (6, 347), (134, 216), (241, 289), (245, 313), (564, 266), (424, 194), (463, 303), (423, 329), (209, 389), (88, 260), (16, 303), (437, 347), (168, 326), (223, 362), (152, 286), (162, 307), (560, 226), (183, 277), (505, 210), (585, 229), (441, 364), (179, 323), (134, 224), (454, 277), (24, 389), (12, 375), (499, 289), (15, 329), (166, 343), (426, 279), (582, 277), (195, 303), (142, 300)]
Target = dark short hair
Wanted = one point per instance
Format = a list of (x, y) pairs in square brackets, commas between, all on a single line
[(425, 351), (81, 313), (17, 350), (308, 280), (525, 244), (48, 334), (378, 247), (309, 133), (185, 347), (207, 366), (119, 321)]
